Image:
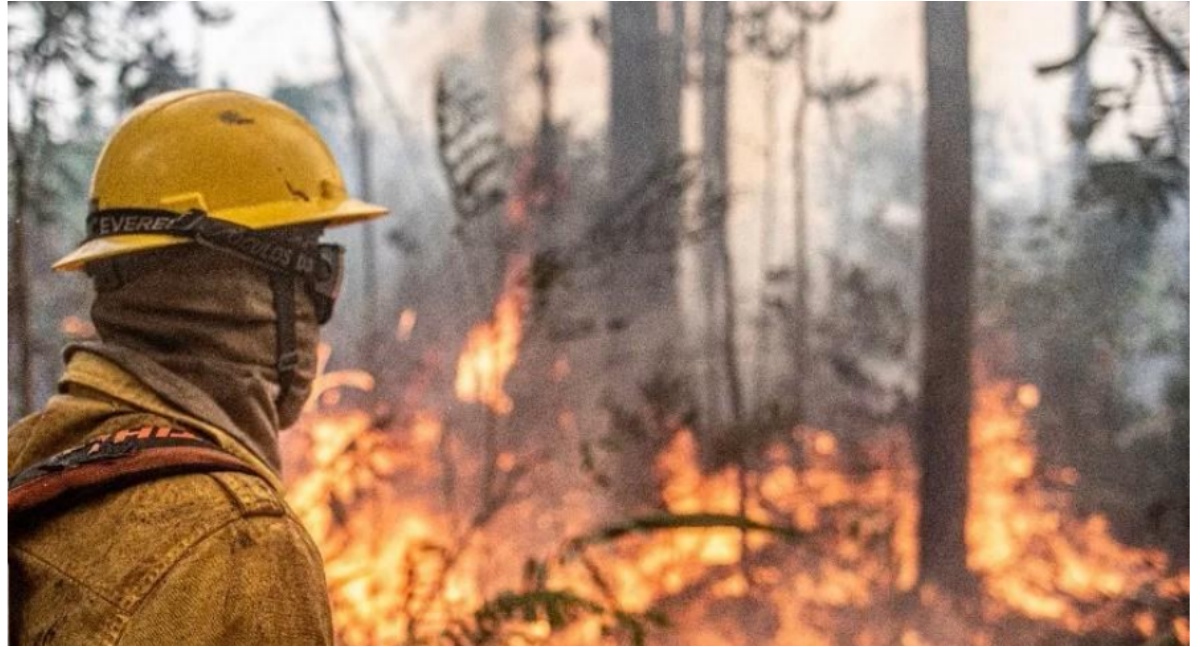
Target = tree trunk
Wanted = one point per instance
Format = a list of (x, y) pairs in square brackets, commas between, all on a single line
[(637, 136), (722, 380), (1079, 107), (943, 426), (640, 315), (763, 358), (800, 197), (545, 181), (18, 282), (362, 149), (643, 140)]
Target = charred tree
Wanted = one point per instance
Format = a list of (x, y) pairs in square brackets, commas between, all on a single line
[(716, 273), (800, 305), (546, 169), (640, 313), (944, 416), (643, 142)]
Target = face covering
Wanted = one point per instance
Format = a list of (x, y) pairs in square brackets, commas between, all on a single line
[(209, 320)]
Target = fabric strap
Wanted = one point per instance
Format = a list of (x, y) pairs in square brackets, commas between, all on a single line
[(117, 459), (253, 245)]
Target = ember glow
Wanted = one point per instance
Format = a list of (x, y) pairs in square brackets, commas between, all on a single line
[(77, 327), (405, 324)]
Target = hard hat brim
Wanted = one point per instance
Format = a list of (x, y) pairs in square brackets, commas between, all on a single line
[(347, 212)]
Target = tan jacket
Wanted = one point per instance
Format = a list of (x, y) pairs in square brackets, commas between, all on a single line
[(214, 558)]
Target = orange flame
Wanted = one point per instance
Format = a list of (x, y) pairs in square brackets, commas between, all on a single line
[(394, 577), (491, 348), (1034, 555)]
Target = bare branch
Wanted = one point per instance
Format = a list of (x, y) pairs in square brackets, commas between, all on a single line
[(1164, 45), (1081, 53)]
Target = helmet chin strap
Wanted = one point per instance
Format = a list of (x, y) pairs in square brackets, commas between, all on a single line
[(283, 290)]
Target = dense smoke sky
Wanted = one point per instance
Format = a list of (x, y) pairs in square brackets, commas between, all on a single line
[(269, 42), (1022, 143)]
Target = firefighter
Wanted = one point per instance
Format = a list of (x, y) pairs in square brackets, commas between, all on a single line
[(145, 503)]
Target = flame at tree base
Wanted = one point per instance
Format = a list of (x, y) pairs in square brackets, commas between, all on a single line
[(1035, 557)]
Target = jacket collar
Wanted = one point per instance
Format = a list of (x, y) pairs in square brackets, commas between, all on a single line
[(91, 367)]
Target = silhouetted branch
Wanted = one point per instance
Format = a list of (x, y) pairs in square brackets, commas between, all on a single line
[(1160, 41), (1081, 53), (670, 521)]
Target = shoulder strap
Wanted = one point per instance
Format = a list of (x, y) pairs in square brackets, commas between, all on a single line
[(116, 460)]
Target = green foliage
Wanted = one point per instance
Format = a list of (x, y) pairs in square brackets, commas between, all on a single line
[(510, 615), (124, 43), (507, 615), (72, 65)]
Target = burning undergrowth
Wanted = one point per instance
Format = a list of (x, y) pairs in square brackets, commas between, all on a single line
[(438, 528), (426, 541)]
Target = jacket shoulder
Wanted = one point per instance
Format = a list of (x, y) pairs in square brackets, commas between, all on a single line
[(117, 543), (249, 494), (257, 580), (116, 566)]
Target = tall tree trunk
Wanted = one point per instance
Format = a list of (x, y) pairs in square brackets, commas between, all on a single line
[(637, 137), (545, 181), (641, 315), (762, 343), (943, 427), (722, 379), (643, 139), (799, 169), (714, 165), (674, 71), (362, 149), (1079, 106), (718, 264), (18, 281)]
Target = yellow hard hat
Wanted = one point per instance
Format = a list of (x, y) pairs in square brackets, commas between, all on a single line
[(231, 155)]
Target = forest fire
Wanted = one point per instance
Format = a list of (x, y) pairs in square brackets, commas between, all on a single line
[(1035, 556), (431, 538), (491, 347), (825, 538), (664, 311)]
